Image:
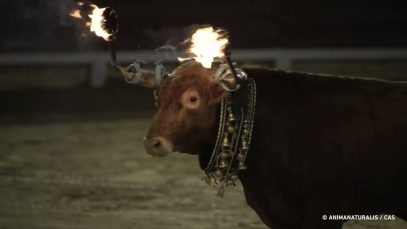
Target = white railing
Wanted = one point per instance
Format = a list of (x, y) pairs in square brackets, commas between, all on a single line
[(283, 58)]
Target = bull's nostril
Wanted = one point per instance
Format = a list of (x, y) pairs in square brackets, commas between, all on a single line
[(157, 144)]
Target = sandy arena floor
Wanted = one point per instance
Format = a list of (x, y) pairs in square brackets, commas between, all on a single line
[(95, 174)]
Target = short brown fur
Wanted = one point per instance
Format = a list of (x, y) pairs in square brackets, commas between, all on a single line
[(321, 144)]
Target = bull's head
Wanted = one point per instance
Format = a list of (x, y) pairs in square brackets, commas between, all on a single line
[(187, 102)]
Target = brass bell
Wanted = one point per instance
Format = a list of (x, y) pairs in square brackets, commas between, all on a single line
[(222, 164), (240, 157), (225, 142), (234, 178), (230, 129), (245, 146), (218, 174), (230, 182), (223, 155), (242, 166), (211, 181), (231, 117)]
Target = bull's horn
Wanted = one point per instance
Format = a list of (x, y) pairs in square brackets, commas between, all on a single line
[(134, 74), (160, 72)]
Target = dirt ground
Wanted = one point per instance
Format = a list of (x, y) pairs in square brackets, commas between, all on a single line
[(95, 174)]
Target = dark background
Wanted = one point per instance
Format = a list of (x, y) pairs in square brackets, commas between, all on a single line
[(43, 25)]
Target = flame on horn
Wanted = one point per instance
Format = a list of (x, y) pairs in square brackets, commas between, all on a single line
[(206, 45)]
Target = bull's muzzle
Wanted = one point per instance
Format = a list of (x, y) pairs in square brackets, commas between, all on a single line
[(157, 146)]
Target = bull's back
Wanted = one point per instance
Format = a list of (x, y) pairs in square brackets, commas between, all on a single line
[(325, 144)]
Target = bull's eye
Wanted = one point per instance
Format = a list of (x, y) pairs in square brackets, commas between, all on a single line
[(193, 99)]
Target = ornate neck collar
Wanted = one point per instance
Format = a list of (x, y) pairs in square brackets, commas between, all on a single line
[(234, 134)]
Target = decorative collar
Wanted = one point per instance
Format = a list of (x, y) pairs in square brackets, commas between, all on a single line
[(234, 134)]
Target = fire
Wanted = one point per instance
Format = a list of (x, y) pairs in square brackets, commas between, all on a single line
[(207, 44), (97, 21)]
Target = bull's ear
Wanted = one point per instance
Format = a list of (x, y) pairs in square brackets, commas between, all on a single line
[(142, 77), (228, 82), (225, 78), (217, 94)]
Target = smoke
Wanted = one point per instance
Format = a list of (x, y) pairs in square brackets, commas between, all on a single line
[(169, 39), (176, 43)]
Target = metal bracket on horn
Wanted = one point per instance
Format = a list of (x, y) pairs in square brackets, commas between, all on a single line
[(160, 72), (136, 72)]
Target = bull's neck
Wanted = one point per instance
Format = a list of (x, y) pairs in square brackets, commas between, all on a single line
[(236, 115)]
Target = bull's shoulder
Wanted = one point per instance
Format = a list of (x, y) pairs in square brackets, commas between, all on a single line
[(276, 77), (259, 72)]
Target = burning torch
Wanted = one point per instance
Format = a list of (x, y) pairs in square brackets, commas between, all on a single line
[(101, 21), (208, 46), (104, 23)]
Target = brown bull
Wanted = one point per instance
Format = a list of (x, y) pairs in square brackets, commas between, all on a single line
[(321, 145)]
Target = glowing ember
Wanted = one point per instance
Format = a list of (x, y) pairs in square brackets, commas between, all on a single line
[(76, 14), (207, 44)]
